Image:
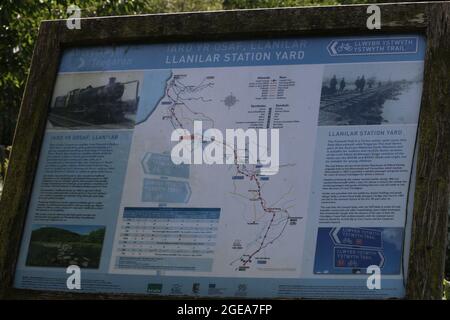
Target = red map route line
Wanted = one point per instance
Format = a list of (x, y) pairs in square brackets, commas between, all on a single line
[(250, 176)]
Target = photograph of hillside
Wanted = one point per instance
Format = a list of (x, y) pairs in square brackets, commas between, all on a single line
[(64, 245)]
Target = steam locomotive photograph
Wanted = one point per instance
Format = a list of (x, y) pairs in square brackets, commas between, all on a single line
[(108, 101)]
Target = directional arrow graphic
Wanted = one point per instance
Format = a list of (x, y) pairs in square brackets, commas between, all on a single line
[(359, 237), (161, 190), (332, 48), (162, 165), (371, 46)]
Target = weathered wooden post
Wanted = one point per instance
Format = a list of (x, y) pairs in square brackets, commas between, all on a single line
[(432, 189)]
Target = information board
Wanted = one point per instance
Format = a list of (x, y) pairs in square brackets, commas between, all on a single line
[(131, 186)]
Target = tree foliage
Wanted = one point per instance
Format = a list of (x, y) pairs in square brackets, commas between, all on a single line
[(20, 19), (19, 24)]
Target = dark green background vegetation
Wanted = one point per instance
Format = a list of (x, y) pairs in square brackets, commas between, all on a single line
[(19, 24)]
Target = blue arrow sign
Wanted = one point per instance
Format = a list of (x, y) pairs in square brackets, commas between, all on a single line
[(357, 258), (156, 190), (371, 46), (357, 237), (162, 165)]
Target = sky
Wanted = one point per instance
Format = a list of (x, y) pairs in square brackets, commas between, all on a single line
[(382, 71)]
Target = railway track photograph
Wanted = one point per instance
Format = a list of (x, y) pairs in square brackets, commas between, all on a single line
[(367, 94), (95, 101)]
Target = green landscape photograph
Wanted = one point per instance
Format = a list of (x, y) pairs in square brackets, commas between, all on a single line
[(64, 245)]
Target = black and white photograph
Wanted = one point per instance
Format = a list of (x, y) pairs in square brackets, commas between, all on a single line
[(107, 100), (371, 94)]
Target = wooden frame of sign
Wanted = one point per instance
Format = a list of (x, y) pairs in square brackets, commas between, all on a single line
[(431, 200)]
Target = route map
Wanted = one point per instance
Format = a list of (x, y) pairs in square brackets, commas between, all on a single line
[(180, 95), (269, 214)]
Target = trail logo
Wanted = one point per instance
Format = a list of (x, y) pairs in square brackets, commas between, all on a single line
[(239, 147)]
